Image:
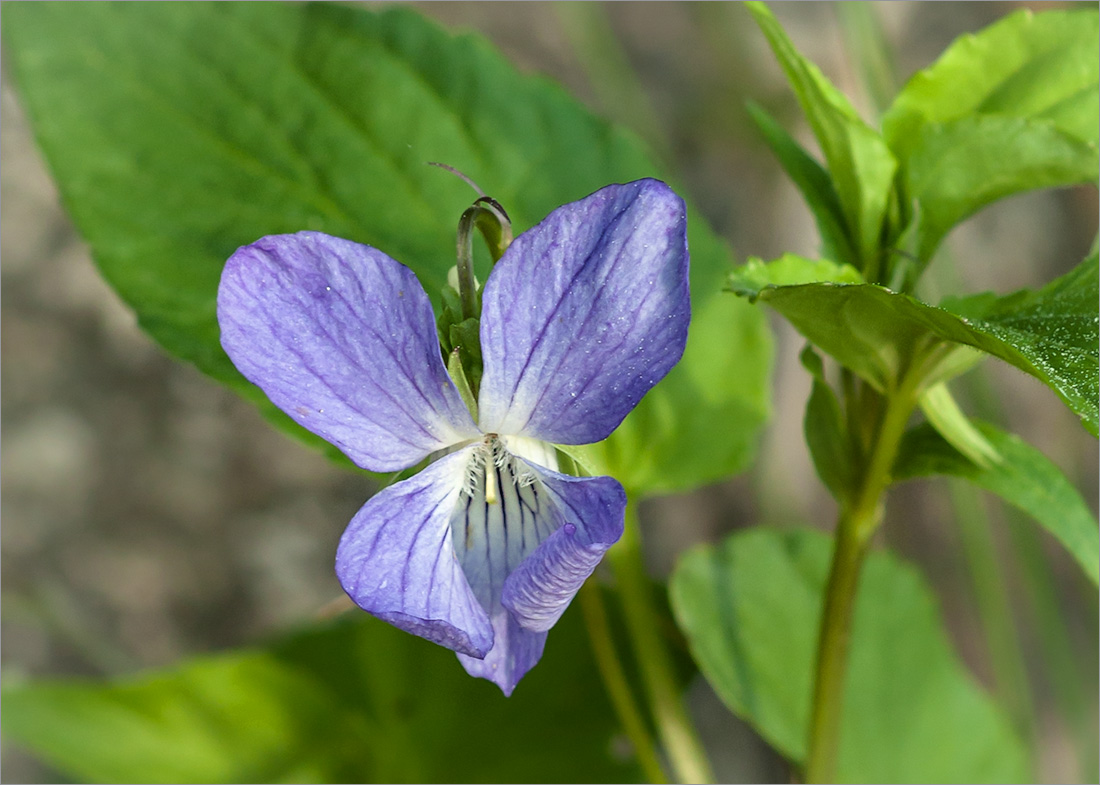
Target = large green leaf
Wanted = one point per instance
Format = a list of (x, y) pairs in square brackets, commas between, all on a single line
[(960, 166), (751, 608), (180, 131), (1051, 333), (351, 701), (1022, 476), (861, 165), (1026, 65)]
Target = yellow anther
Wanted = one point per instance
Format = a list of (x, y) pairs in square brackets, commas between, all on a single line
[(490, 483)]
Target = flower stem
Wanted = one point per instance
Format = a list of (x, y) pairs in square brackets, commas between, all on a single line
[(467, 284), (614, 679), (832, 653), (857, 523), (674, 727)]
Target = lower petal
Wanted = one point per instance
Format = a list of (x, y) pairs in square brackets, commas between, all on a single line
[(515, 651), (527, 537), (539, 590), (396, 560)]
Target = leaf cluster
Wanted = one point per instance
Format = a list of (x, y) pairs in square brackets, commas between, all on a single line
[(1007, 109), (1010, 108)]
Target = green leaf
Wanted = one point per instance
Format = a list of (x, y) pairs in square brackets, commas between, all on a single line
[(351, 701), (788, 270), (826, 434), (861, 165), (813, 183), (869, 329), (750, 609), (1055, 331), (958, 167), (1023, 477), (238, 120), (1051, 334), (1026, 65), (952, 424)]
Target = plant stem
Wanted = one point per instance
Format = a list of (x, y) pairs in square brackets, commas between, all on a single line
[(832, 653), (674, 727), (611, 671), (990, 587), (857, 523)]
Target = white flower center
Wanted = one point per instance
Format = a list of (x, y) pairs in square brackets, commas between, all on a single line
[(494, 461), (503, 511)]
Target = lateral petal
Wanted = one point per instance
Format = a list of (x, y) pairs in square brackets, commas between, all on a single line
[(342, 338), (397, 560), (591, 512), (584, 313)]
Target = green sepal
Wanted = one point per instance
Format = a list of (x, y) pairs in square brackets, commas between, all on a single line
[(465, 339), (458, 376), (452, 304), (460, 344), (450, 314)]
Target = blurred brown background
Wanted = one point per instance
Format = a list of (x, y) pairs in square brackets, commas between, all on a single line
[(148, 514)]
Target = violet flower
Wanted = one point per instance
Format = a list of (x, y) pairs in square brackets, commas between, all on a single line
[(483, 549)]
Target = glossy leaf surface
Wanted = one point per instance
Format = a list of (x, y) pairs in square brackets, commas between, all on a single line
[(1051, 333)]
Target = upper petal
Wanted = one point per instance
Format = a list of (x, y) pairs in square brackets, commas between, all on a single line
[(584, 313), (342, 338), (591, 513), (397, 560)]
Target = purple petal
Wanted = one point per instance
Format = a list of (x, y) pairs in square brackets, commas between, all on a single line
[(527, 553), (397, 561), (541, 588), (342, 338), (515, 651), (584, 314)]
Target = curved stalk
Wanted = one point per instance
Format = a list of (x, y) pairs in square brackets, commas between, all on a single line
[(492, 221), (614, 679), (685, 751)]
